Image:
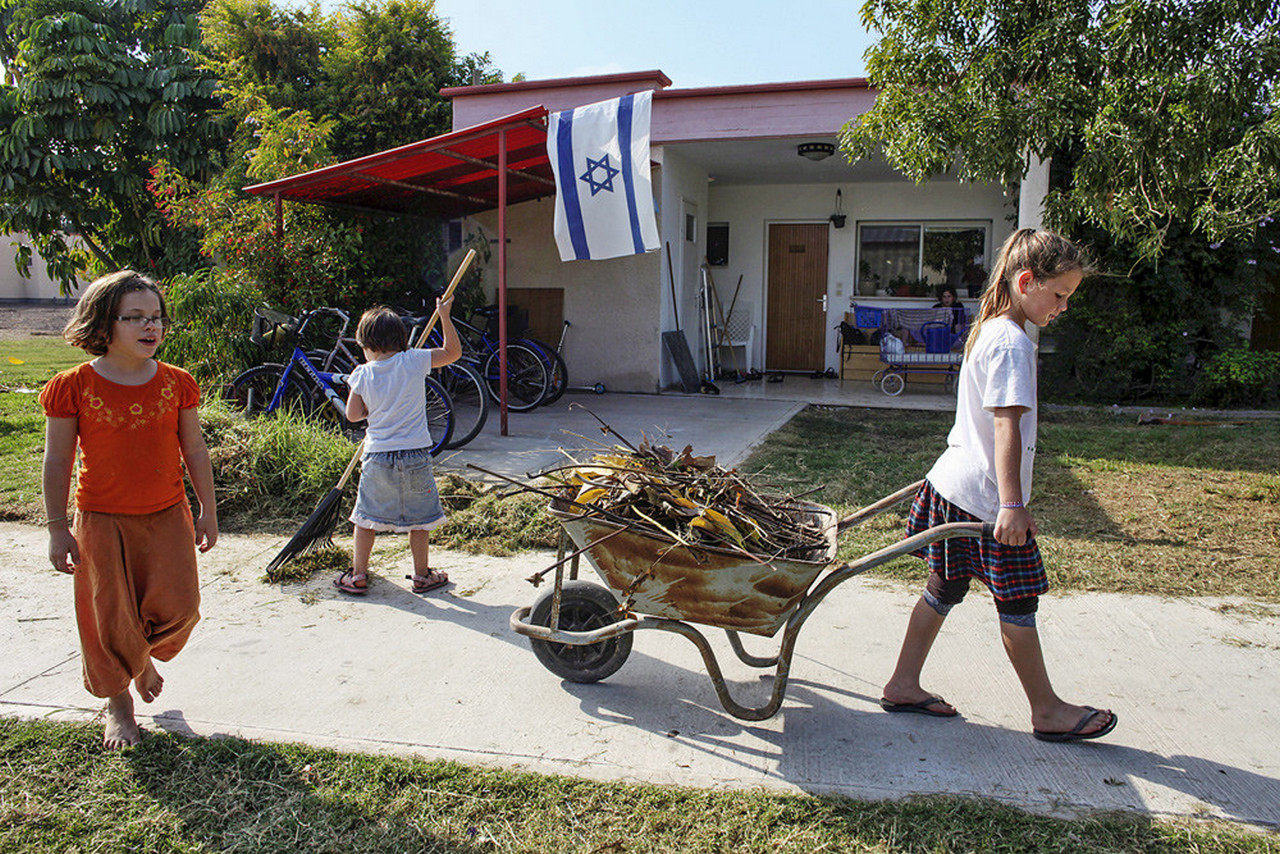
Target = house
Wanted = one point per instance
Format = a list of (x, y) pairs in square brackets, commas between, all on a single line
[(743, 178), (746, 179)]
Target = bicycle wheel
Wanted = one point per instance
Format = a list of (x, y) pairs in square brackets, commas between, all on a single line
[(527, 379), (439, 416), (252, 391), (557, 372), (470, 402)]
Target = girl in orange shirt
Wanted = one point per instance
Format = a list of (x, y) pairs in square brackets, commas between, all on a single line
[(132, 550)]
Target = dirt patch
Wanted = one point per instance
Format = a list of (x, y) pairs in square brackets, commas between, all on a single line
[(35, 319)]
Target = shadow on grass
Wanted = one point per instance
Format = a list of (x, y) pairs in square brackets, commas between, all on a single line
[(230, 794)]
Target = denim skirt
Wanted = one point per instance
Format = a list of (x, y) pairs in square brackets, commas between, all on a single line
[(397, 492)]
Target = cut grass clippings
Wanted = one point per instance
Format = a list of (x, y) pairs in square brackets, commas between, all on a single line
[(60, 791), (1165, 510)]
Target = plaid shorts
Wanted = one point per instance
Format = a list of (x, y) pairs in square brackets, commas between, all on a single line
[(1010, 572)]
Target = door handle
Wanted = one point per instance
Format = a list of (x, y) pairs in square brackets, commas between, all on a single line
[(823, 300)]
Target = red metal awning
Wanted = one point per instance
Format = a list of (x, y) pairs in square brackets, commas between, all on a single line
[(449, 175)]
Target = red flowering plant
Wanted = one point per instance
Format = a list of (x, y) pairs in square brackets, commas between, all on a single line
[(322, 257)]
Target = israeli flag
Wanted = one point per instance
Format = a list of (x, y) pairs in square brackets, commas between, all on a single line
[(604, 197)]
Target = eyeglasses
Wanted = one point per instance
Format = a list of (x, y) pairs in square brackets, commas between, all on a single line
[(141, 320)]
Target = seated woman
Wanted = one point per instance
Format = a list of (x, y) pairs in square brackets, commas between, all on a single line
[(947, 298)]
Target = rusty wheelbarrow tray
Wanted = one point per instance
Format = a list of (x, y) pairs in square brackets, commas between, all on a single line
[(674, 587)]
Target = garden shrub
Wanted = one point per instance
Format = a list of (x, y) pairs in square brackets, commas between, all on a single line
[(212, 315), (1239, 377), (1144, 329)]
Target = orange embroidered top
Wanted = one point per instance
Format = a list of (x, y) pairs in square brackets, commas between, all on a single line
[(130, 458)]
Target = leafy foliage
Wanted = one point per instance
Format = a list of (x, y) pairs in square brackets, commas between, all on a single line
[(212, 316), (304, 90), (1145, 329), (1242, 376), (100, 91), (1168, 109)]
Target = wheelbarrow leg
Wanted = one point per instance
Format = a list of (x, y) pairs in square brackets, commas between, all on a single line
[(745, 657)]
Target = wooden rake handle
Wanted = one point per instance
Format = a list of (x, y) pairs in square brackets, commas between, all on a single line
[(431, 324)]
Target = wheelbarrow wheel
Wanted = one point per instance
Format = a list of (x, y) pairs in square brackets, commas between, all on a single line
[(583, 607)]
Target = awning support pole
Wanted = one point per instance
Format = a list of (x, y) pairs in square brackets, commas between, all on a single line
[(502, 278)]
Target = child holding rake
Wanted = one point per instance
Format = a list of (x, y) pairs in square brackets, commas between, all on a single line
[(397, 491)]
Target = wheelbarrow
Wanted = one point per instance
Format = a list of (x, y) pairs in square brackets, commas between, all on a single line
[(580, 631)]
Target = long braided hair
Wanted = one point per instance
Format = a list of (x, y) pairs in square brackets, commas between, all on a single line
[(1044, 253)]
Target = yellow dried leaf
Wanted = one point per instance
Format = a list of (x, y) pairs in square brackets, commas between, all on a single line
[(591, 494)]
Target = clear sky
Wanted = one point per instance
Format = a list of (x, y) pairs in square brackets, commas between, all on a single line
[(694, 42)]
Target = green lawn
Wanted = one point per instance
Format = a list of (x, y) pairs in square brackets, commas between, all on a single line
[(60, 791), (22, 422), (1121, 507)]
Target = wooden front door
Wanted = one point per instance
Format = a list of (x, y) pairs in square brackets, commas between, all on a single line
[(796, 320)]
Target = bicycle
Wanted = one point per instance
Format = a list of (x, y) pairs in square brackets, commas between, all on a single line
[(527, 376), (467, 394), (557, 371), (313, 393)]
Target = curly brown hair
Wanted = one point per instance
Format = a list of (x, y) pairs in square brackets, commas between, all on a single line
[(90, 327)]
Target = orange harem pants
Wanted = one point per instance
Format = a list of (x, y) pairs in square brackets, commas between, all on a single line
[(137, 592)]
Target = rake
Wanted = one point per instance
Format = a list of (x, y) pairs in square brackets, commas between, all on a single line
[(317, 532)]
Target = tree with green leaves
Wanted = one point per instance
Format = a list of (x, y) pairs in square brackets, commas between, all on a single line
[(1159, 112), (1161, 119), (96, 93), (305, 89)]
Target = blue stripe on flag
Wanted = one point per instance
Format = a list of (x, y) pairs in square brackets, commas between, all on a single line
[(569, 186), (625, 106)]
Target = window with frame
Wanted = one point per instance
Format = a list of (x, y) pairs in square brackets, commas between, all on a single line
[(919, 258)]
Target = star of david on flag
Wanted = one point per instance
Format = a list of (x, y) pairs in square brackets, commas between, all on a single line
[(604, 196)]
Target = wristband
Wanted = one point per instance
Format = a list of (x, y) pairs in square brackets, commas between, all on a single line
[(1012, 505), (55, 521)]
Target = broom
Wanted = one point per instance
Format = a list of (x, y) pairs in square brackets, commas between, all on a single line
[(317, 532)]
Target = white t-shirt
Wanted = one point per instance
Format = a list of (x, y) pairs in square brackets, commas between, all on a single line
[(395, 391), (999, 371)]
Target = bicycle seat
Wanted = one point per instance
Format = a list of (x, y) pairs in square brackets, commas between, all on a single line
[(487, 311)]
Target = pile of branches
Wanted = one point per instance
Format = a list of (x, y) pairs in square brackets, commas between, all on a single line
[(687, 500)]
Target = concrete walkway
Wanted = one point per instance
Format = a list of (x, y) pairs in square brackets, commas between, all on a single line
[(443, 676)]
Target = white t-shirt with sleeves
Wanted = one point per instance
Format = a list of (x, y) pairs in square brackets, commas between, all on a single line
[(1000, 371), (395, 391)]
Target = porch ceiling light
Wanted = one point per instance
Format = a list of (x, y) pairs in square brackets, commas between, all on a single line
[(815, 151)]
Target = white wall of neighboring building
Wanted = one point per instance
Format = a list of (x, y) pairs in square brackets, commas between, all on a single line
[(750, 210), (14, 287)]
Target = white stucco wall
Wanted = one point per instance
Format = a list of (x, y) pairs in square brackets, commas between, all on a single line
[(680, 184), (749, 210), (13, 286), (613, 305)]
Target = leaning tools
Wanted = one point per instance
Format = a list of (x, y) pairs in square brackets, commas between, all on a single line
[(317, 532)]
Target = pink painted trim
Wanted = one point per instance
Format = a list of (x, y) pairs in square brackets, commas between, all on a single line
[(655, 76), (757, 88)]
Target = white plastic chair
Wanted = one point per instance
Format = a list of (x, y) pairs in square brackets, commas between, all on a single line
[(740, 331)]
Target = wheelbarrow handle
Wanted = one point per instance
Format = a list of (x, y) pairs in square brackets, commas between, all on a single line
[(878, 507)]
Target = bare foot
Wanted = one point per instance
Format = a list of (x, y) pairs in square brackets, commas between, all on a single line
[(149, 683), (121, 729)]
